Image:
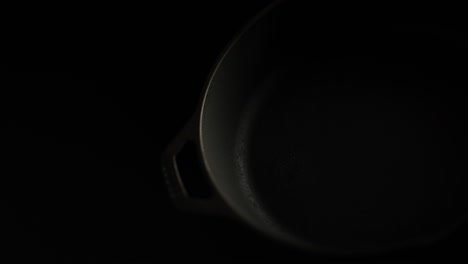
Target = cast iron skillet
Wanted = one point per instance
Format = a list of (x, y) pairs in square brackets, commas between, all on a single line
[(333, 133)]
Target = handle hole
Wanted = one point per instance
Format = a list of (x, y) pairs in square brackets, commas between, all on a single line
[(191, 172)]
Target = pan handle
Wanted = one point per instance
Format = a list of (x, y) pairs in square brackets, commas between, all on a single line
[(178, 179)]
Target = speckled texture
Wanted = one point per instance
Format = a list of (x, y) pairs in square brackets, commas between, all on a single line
[(352, 164)]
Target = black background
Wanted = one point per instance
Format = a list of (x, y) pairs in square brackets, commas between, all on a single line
[(90, 97)]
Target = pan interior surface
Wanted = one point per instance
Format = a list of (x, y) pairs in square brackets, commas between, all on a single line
[(360, 149), (353, 164)]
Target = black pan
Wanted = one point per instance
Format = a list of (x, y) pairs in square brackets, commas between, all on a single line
[(334, 133)]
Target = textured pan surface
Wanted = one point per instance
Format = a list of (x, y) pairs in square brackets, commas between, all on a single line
[(354, 162)]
